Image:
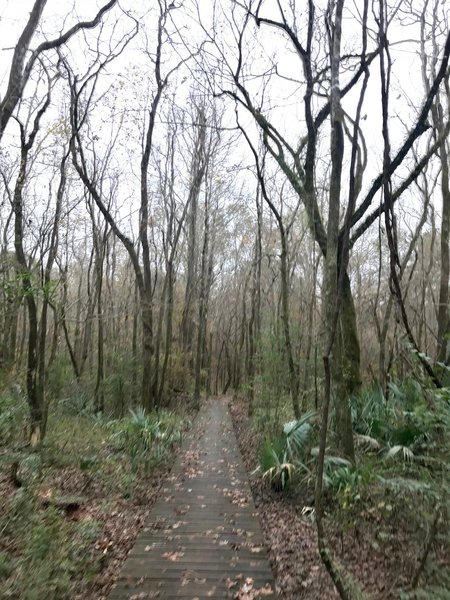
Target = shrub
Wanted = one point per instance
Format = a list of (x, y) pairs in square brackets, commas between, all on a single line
[(284, 456), (147, 437), (407, 422)]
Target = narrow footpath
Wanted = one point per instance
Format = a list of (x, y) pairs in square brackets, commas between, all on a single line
[(203, 538)]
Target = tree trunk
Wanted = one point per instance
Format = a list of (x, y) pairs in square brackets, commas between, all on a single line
[(202, 308), (293, 371), (346, 370), (99, 394), (169, 324), (147, 398), (254, 322), (197, 172), (443, 333)]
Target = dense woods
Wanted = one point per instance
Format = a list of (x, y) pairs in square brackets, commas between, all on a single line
[(245, 198)]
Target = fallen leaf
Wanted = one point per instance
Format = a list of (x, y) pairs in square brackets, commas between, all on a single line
[(173, 556)]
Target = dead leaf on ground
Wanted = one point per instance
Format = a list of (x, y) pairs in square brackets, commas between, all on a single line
[(173, 556)]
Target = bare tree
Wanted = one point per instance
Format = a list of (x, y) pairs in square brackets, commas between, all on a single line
[(37, 324), (298, 161), (440, 112), (82, 90), (254, 324), (21, 68), (390, 221)]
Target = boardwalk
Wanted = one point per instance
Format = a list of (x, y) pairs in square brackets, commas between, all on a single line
[(203, 539)]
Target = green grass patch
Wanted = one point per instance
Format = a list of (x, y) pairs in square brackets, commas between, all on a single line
[(45, 551)]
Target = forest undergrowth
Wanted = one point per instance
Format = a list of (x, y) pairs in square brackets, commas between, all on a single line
[(386, 517), (71, 512)]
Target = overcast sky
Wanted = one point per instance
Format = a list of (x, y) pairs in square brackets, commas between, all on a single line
[(284, 96)]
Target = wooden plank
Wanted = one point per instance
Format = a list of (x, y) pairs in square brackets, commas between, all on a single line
[(203, 538)]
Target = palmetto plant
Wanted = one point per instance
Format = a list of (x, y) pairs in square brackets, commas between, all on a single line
[(291, 455), (371, 413), (277, 470), (402, 424), (283, 457), (403, 452), (297, 434), (147, 436)]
